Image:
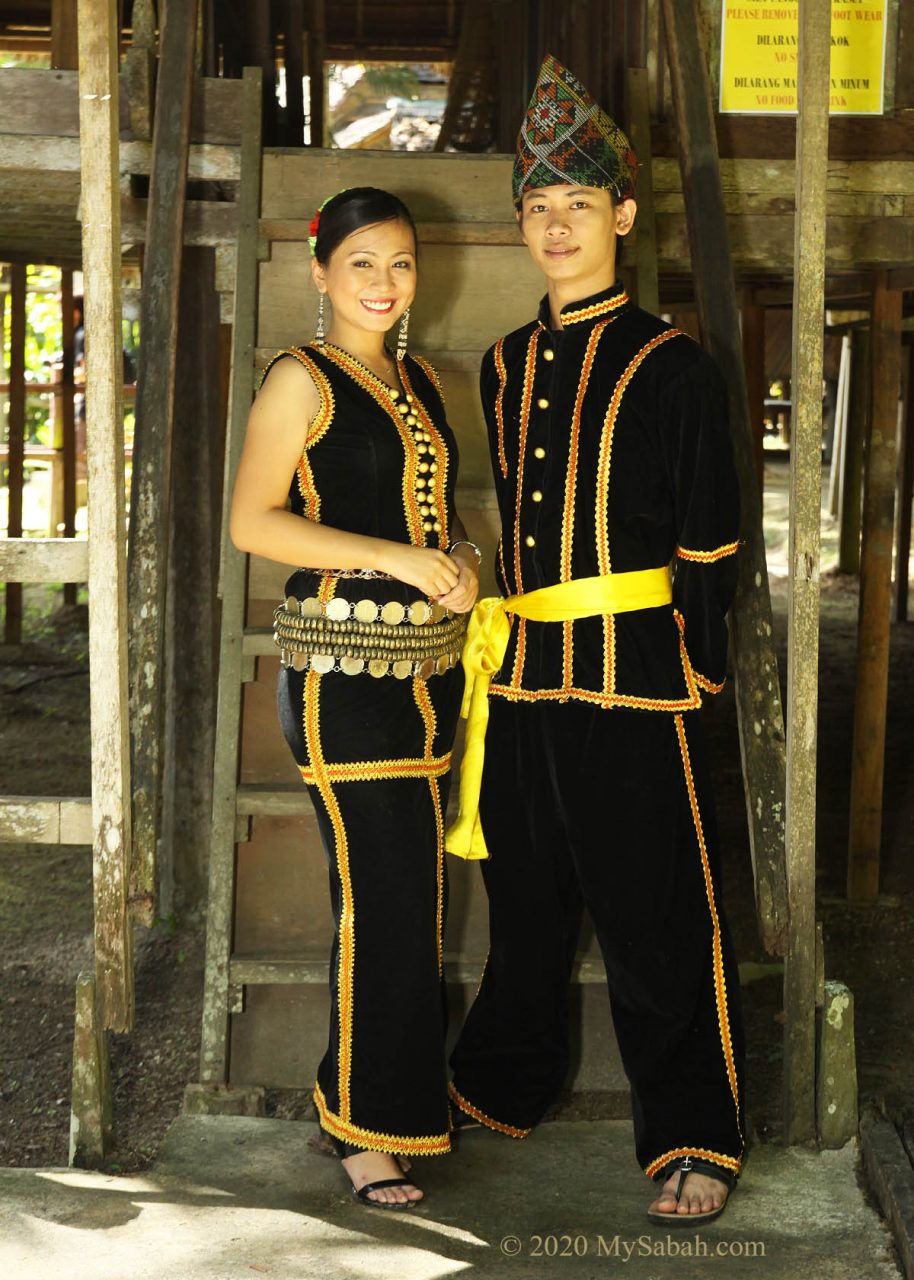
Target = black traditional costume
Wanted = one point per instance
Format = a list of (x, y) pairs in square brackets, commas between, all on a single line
[(375, 752), (612, 462)]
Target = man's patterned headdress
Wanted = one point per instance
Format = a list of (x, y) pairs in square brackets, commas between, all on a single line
[(567, 137)]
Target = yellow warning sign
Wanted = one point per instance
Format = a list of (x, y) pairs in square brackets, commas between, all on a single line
[(758, 57)]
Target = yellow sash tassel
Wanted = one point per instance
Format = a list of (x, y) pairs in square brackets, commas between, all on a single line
[(484, 652)]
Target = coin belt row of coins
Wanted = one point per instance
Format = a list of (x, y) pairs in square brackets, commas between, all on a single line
[(379, 648), (393, 612)]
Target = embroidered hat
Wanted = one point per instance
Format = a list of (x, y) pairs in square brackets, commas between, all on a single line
[(567, 137)]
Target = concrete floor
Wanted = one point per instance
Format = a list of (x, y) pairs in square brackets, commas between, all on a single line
[(232, 1197)]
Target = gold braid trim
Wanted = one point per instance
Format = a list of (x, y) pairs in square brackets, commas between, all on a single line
[(596, 697), (316, 429), (481, 1116), (499, 357), (437, 1144), (427, 711), (708, 557), (431, 373), (598, 309), (378, 770), (732, 1163), (439, 479)]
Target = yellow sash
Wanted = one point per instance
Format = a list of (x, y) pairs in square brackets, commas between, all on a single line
[(484, 652)]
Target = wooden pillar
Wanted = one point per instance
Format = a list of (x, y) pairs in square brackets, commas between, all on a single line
[(754, 360), (317, 48), (191, 657), (905, 496), (138, 72), (260, 52), (868, 754), (64, 41), (814, 53), (91, 1099), (839, 431), (12, 627), (68, 417), (152, 447), (101, 256), (850, 506), (295, 93), (758, 696), (639, 123)]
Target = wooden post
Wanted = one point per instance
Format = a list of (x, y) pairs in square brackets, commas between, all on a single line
[(317, 47), (220, 910), (905, 496), (151, 487), (295, 70), (814, 54), (868, 754), (839, 434), (758, 698), (68, 418), (191, 656), (754, 359), (836, 1087), (852, 480), (261, 53), (639, 123), (64, 42), (15, 462), (139, 69), (91, 1103), (101, 256)]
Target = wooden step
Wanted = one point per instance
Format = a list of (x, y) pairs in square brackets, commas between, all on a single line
[(261, 969)]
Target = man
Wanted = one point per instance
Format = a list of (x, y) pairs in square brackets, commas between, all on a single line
[(612, 459)]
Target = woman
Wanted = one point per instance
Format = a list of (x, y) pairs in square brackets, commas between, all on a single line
[(357, 441)]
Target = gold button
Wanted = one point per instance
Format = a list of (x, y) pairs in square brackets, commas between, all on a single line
[(536, 495), (539, 452), (530, 540), (542, 403), (548, 354)]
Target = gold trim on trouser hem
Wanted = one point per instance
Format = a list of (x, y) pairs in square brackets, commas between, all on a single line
[(438, 1144), (470, 1110), (727, 1162)]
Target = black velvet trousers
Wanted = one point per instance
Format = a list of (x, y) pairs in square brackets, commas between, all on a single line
[(375, 755), (612, 811)]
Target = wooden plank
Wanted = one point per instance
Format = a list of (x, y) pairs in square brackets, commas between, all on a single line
[(283, 229), (45, 820), (64, 40), (206, 222), (871, 691), (214, 1046), (150, 494), (44, 560), (207, 162), (889, 1173), (850, 138), (852, 480), (758, 700), (905, 497), (836, 1089), (12, 624), (68, 416), (216, 111), (91, 1096), (839, 431), (640, 135), (260, 800), (98, 97), (753, 331), (814, 53)]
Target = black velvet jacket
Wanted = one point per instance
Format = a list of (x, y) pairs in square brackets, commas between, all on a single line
[(611, 452)]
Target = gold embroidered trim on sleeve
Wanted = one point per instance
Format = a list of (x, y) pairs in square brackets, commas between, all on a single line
[(708, 557)]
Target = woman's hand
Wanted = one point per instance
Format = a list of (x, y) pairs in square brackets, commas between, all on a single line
[(462, 597), (433, 572)]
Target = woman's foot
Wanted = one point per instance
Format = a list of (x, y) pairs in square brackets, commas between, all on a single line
[(695, 1192), (367, 1168)]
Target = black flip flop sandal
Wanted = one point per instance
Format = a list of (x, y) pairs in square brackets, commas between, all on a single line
[(685, 1166)]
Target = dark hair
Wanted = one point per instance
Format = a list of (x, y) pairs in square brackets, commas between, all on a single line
[(352, 209)]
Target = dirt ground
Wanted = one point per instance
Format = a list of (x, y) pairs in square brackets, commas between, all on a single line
[(46, 895)]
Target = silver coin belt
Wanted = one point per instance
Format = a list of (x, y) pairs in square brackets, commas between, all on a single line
[(387, 639)]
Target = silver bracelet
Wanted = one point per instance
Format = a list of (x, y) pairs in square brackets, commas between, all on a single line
[(465, 542)]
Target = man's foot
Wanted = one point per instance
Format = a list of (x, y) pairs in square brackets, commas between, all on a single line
[(368, 1167), (696, 1192)]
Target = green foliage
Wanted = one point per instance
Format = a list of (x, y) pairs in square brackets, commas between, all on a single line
[(393, 79), (43, 346)]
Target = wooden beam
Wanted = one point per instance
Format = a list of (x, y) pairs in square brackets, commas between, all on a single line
[(753, 331), (640, 135), (98, 104), (905, 497), (317, 55), (220, 909), (814, 52), (852, 479), (68, 416), (12, 626), (150, 495), (757, 691), (871, 692), (44, 560), (64, 40), (45, 820)]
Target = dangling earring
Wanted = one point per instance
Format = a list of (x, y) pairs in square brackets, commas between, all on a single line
[(319, 332), (401, 336)]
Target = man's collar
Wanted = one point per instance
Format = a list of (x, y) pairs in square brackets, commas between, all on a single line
[(588, 311)]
